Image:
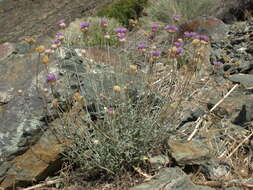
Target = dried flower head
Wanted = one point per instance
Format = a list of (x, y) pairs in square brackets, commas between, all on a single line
[(45, 59), (40, 49), (30, 40), (133, 68), (117, 89)]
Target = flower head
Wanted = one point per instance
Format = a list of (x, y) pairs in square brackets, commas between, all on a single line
[(142, 47), (178, 44), (171, 28), (40, 49), (120, 30), (190, 34), (84, 26), (154, 27), (179, 51), (121, 36), (151, 37), (62, 23), (104, 23), (51, 78), (176, 17), (59, 35), (156, 53), (202, 37)]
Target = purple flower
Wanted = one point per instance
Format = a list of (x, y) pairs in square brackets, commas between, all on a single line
[(142, 47), (57, 41), (59, 35), (171, 28), (154, 27), (51, 78), (179, 51), (121, 35), (151, 37), (190, 34), (178, 44), (202, 37), (103, 22), (84, 25), (120, 30), (155, 53), (217, 63), (176, 17)]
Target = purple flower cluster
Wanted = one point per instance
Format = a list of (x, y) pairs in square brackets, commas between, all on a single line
[(155, 53), (179, 51), (202, 37), (84, 25), (120, 30), (151, 37), (104, 23), (59, 35), (142, 47), (51, 78), (190, 34), (171, 28), (154, 27), (176, 17), (178, 44)]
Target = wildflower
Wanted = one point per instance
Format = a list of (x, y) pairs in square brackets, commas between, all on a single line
[(156, 53), (110, 111), (83, 52), (77, 97), (84, 26), (51, 79), (121, 37), (171, 28), (190, 34), (179, 51), (178, 44), (202, 37), (217, 63), (117, 89), (142, 47), (40, 49), (176, 17), (154, 27), (45, 59), (59, 35), (104, 23), (45, 90), (62, 23), (151, 37), (56, 43), (133, 67), (133, 22), (120, 30)]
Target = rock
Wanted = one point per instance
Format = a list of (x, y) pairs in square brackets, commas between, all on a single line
[(6, 50), (159, 161), (244, 79), (210, 26), (170, 179), (189, 153)]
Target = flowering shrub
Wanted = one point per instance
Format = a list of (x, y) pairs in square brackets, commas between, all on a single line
[(94, 31)]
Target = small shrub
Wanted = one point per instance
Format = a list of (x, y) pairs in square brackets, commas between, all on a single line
[(95, 35), (163, 10), (123, 10)]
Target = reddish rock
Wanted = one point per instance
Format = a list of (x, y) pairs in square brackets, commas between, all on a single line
[(210, 26)]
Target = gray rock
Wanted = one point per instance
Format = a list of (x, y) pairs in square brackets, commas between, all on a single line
[(188, 153), (170, 179), (243, 79)]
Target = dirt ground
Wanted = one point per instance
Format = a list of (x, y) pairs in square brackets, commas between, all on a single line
[(38, 18)]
